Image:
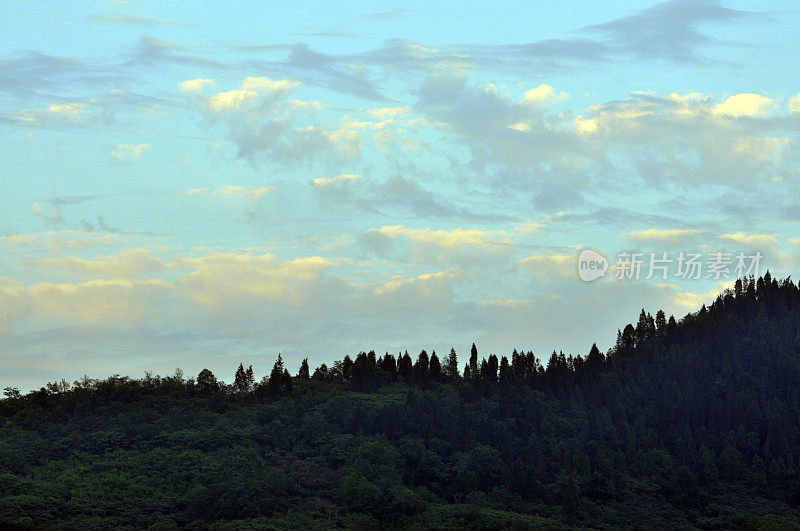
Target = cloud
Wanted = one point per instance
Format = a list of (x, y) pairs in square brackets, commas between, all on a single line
[(150, 52), (60, 240), (128, 152), (547, 267), (759, 148), (129, 20), (55, 217), (542, 94), (31, 76), (794, 104), (669, 30), (56, 116), (195, 85), (743, 105), (333, 181), (96, 301), (692, 301), (660, 235), (445, 239), (252, 89), (227, 280), (129, 264), (764, 242)]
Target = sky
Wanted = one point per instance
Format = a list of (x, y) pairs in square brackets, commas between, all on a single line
[(196, 184)]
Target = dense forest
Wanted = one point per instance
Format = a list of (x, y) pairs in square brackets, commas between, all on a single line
[(693, 423)]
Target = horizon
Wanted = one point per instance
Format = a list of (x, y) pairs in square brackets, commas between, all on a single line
[(197, 186)]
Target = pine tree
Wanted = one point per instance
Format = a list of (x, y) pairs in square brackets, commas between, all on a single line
[(275, 382), (421, 367), (594, 361), (240, 381), (661, 322), (405, 368), (249, 379), (303, 373), (473, 361), (492, 367), (435, 368), (451, 367), (505, 373)]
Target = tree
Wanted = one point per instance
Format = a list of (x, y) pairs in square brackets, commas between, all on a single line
[(206, 382), (505, 374), (11, 392), (275, 382), (642, 329), (421, 367), (451, 366), (595, 360), (320, 373), (302, 374), (473, 361), (661, 323), (435, 367), (244, 380), (405, 369), (492, 365)]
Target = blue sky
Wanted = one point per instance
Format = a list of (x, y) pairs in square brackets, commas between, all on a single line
[(198, 185)]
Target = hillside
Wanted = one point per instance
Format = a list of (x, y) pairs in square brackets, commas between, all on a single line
[(689, 423)]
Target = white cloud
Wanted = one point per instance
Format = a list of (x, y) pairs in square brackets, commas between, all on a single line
[(340, 179), (794, 104), (445, 239), (661, 235), (550, 266), (741, 105), (195, 85), (224, 280), (126, 264), (56, 116), (542, 93), (763, 241), (251, 90), (96, 301)]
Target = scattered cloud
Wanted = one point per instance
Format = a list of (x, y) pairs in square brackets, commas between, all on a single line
[(196, 85), (128, 152), (660, 235)]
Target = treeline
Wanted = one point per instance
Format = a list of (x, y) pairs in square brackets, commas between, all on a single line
[(751, 297)]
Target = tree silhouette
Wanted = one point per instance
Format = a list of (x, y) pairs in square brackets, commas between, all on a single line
[(206, 382)]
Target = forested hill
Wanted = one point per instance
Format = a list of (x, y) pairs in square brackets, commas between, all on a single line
[(694, 423)]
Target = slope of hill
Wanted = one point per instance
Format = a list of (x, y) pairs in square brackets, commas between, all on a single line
[(682, 424)]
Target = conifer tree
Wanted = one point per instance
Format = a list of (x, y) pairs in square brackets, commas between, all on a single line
[(473, 361), (451, 367), (405, 368), (435, 367), (275, 382), (303, 373), (240, 380), (421, 366)]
